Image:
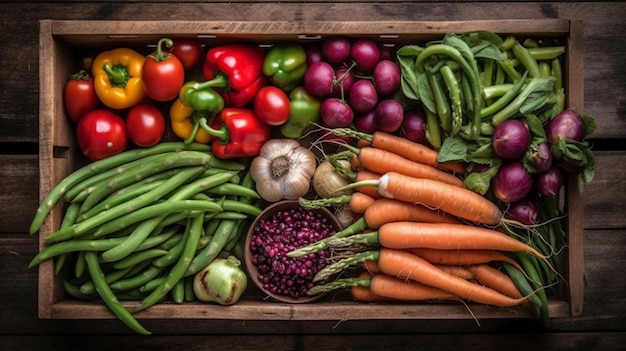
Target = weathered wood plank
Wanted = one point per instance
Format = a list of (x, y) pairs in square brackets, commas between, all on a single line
[(484, 341)]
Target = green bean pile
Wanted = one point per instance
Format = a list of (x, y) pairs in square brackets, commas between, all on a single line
[(140, 224)]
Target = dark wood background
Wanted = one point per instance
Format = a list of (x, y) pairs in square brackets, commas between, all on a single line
[(601, 327)]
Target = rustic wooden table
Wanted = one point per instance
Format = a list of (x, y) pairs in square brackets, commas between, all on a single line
[(600, 327)]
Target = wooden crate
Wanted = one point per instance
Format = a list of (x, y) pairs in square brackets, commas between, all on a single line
[(60, 41)]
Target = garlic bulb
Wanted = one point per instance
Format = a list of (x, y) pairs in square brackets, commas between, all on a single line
[(283, 170)]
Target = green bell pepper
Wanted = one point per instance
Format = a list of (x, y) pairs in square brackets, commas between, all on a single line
[(201, 96), (285, 65), (304, 112)]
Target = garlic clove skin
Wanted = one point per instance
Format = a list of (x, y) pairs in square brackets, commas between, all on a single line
[(222, 281), (283, 170)]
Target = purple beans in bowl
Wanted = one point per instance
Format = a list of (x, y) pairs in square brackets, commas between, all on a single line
[(282, 227)]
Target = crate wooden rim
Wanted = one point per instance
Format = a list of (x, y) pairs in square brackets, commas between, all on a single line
[(55, 149)]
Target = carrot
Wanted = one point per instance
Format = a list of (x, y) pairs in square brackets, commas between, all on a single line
[(457, 201), (384, 288), (359, 202), (403, 264), (401, 146), (463, 257), (404, 235), (370, 267), (364, 293), (406, 290), (495, 279), (386, 210), (364, 175), (456, 271), (383, 161)]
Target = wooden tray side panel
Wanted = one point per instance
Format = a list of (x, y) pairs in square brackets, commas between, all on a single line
[(574, 201)]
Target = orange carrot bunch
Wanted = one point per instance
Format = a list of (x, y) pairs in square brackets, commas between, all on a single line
[(426, 236)]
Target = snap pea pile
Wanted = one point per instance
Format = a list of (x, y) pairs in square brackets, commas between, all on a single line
[(470, 82), (140, 224)]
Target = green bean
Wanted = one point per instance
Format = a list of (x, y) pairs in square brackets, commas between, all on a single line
[(204, 241), (433, 133), (109, 297), (137, 257), (522, 54), (466, 91), (171, 242), (210, 225), (88, 288), (178, 292), (161, 163), (470, 72), (151, 285), (57, 192), (509, 70), (225, 215), (130, 192), (189, 293), (224, 232), (174, 253), (504, 99), (557, 73), (202, 184), (112, 225), (544, 69), (487, 77), (69, 218), (177, 272), (546, 52), (508, 43), (239, 231), (74, 291), (157, 239), (526, 261), (138, 269), (496, 91), (77, 245), (441, 103), (146, 227), (454, 92), (233, 189), (80, 265), (80, 191), (137, 280), (524, 287), (500, 76)]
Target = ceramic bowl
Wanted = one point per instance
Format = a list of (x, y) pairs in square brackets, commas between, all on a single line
[(252, 270)]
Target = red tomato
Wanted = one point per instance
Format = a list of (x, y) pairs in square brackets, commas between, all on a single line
[(189, 52), (271, 104), (163, 75), (79, 96), (145, 124), (101, 133)]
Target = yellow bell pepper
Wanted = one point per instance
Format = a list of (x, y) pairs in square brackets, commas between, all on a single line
[(184, 120), (117, 78)]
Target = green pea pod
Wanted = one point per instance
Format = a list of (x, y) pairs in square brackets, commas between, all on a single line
[(285, 65), (304, 113)]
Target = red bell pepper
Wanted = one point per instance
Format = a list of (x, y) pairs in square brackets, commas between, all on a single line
[(238, 132), (238, 70)]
